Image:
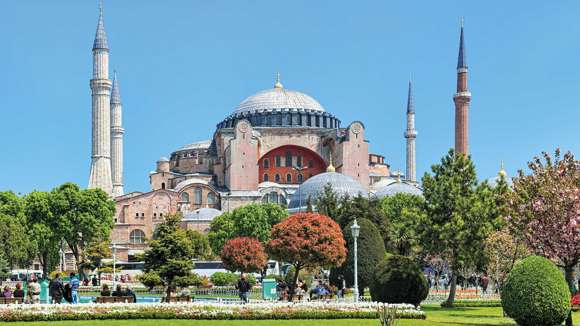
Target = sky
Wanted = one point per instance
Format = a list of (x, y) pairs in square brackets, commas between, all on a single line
[(184, 65)]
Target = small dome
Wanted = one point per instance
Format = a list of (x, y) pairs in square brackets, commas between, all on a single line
[(398, 188), (202, 215), (278, 98), (341, 184)]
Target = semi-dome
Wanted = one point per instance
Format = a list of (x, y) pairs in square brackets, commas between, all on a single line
[(399, 187), (341, 184), (276, 99)]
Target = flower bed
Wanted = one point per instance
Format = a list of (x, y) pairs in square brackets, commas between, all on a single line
[(251, 311)]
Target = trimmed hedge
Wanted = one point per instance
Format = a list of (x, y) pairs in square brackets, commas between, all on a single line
[(536, 294), (398, 279)]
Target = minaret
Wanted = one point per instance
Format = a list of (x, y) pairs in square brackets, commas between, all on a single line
[(462, 98), (101, 116), (117, 132), (410, 135)]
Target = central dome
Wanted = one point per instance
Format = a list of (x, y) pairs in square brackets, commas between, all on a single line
[(276, 99)]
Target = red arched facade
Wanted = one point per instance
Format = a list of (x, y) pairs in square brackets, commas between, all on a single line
[(277, 165)]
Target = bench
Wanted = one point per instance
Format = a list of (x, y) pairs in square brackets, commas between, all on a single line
[(114, 300), (186, 298), (11, 300)]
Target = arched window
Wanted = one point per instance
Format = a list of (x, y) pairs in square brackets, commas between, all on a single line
[(288, 178), (185, 197), (266, 163), (299, 177), (211, 198), (277, 178), (266, 177), (197, 196), (137, 236)]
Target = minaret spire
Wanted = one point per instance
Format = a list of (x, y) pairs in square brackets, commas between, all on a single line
[(410, 136), (117, 133), (100, 175), (462, 98)]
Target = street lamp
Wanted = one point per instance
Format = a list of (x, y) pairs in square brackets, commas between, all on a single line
[(355, 229), (299, 169)]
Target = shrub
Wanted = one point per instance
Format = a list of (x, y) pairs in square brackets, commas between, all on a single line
[(223, 278), (535, 293), (398, 279)]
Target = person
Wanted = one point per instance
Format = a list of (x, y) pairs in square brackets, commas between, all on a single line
[(244, 288), (33, 291), (7, 292), (94, 281), (105, 291), (18, 293), (74, 288), (56, 289), (119, 291), (130, 293)]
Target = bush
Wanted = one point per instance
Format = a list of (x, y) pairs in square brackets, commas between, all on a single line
[(535, 293), (223, 279), (398, 279)]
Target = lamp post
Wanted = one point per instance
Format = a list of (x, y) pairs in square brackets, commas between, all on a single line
[(355, 229), (299, 169)]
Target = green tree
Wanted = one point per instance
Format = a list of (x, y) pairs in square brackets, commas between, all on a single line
[(457, 219), (15, 242), (254, 221), (370, 250), (403, 212), (169, 259), (43, 228), (84, 217)]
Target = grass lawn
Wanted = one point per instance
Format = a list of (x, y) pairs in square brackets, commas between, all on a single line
[(435, 316)]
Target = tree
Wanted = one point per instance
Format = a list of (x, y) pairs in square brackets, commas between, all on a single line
[(403, 212), (307, 240), (502, 252), (457, 219), (370, 250), (545, 210), (43, 228), (244, 254), (169, 259), (15, 243), (254, 221), (200, 243), (84, 217)]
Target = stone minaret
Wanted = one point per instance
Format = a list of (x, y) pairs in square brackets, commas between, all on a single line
[(117, 132), (101, 116), (410, 135), (462, 99)]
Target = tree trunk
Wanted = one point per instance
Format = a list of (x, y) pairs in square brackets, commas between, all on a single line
[(452, 289), (294, 281), (569, 272)]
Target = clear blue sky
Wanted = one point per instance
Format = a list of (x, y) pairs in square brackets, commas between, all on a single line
[(184, 65)]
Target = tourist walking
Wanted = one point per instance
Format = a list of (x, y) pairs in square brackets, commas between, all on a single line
[(74, 288), (244, 288), (33, 291), (56, 289)]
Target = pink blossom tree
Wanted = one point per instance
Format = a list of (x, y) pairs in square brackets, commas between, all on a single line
[(544, 210)]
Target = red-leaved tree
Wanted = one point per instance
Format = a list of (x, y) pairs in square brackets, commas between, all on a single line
[(545, 210), (243, 254), (307, 240)]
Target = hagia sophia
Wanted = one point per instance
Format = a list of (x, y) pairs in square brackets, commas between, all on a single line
[(278, 145)]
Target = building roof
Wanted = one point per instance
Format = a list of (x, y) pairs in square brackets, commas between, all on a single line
[(399, 187), (313, 187), (204, 144), (278, 98), (205, 214)]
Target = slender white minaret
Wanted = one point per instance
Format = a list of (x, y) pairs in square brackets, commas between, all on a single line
[(117, 132), (101, 116), (410, 135)]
